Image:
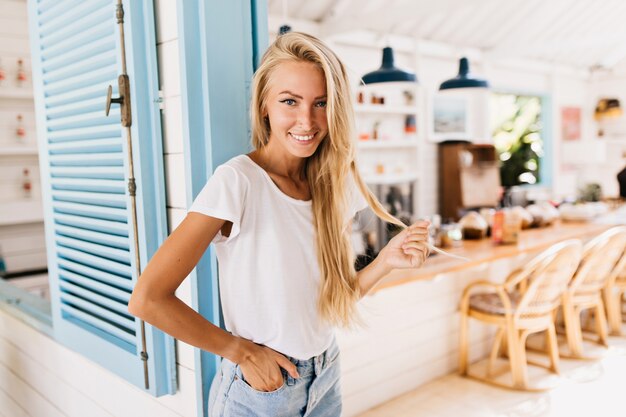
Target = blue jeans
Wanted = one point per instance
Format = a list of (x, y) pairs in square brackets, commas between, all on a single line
[(316, 393)]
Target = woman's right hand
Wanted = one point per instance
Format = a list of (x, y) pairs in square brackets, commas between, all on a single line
[(261, 367)]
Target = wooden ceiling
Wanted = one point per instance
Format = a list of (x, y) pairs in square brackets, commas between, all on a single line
[(585, 34)]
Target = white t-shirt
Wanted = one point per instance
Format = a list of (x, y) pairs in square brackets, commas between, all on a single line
[(268, 270)]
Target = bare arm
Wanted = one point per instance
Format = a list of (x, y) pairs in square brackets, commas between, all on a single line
[(154, 301), (153, 298), (408, 249)]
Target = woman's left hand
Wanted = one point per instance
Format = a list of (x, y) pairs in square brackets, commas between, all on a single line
[(409, 248)]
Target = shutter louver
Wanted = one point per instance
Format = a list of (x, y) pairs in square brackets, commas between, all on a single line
[(80, 53), (85, 175)]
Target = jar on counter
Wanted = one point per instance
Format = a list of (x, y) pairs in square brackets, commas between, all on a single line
[(507, 226), (451, 235)]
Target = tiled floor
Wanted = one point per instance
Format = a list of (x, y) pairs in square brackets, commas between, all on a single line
[(586, 388)]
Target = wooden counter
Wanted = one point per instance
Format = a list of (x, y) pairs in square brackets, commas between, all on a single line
[(482, 251)]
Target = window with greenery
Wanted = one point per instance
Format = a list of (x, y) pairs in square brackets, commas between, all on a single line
[(516, 122)]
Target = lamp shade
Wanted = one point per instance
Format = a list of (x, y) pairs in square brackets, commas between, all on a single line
[(608, 108), (464, 79), (388, 72)]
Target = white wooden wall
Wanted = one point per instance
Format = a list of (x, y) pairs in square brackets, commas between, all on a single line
[(22, 244), (39, 377)]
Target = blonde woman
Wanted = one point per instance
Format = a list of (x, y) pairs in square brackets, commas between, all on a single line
[(279, 218)]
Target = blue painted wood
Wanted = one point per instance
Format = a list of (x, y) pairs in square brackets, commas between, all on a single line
[(84, 164), (220, 44)]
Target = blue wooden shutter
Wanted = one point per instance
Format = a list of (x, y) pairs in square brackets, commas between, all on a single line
[(85, 170)]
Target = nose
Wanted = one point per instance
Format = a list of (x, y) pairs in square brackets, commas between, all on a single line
[(305, 119)]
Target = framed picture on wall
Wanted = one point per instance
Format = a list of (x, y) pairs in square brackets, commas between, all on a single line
[(449, 117), (570, 123)]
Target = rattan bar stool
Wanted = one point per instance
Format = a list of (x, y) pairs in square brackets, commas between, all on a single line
[(520, 312), (600, 258)]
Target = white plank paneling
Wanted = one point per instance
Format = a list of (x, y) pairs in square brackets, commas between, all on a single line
[(28, 398), (169, 70), (172, 125), (77, 377), (399, 382), (10, 407), (166, 20), (175, 216), (175, 181)]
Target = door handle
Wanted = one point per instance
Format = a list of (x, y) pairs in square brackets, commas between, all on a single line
[(123, 100)]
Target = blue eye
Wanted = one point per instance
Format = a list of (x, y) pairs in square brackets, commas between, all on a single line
[(321, 104), (289, 101)]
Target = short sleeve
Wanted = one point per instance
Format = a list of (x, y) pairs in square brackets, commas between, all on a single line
[(356, 200), (223, 197)]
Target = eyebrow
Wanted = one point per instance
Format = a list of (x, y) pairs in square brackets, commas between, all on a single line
[(300, 97)]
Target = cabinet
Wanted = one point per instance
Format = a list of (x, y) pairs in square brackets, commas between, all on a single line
[(469, 177), (390, 129)]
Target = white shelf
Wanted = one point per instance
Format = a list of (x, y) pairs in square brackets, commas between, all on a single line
[(21, 211), (612, 139), (385, 109), (386, 144), (16, 93), (389, 179), (19, 150)]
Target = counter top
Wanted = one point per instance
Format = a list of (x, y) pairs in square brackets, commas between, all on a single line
[(483, 251)]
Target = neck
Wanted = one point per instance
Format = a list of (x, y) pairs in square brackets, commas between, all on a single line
[(281, 164)]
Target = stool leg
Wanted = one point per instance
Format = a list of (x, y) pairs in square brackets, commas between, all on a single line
[(611, 301), (601, 325), (553, 348), (523, 364), (572, 327), (463, 345), (514, 356), (495, 350)]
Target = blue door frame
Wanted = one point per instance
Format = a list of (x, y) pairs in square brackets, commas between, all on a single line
[(220, 44)]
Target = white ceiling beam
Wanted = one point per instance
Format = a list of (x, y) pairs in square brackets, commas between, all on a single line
[(311, 10), (480, 18), (513, 16), (367, 18), (555, 29), (298, 25), (452, 23), (516, 42), (337, 10)]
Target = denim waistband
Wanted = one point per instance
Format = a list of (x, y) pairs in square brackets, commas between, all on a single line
[(316, 364)]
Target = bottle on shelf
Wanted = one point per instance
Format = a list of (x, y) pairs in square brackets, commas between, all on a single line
[(3, 266), (20, 130), (3, 74), (410, 124), (27, 184), (21, 73), (375, 130)]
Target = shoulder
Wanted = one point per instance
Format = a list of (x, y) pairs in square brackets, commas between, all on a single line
[(241, 166), (239, 170)]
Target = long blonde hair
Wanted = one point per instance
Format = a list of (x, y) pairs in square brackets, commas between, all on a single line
[(326, 170)]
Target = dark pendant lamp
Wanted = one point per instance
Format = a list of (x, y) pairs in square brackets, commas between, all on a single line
[(388, 72), (464, 79)]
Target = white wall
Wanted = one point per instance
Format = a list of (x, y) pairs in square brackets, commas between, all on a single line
[(21, 244), (39, 377), (609, 151)]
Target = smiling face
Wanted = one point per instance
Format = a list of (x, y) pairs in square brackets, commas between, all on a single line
[(296, 108)]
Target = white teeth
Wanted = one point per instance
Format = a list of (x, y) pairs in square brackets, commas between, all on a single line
[(302, 138)]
